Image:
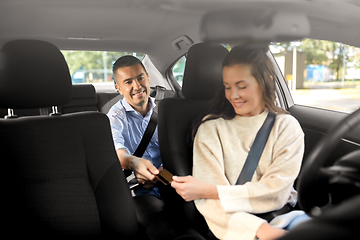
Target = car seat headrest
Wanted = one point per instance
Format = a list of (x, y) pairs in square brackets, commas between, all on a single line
[(33, 74), (203, 71)]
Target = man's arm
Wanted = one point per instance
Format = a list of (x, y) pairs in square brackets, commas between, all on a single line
[(144, 170)]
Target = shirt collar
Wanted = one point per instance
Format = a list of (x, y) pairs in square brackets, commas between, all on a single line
[(129, 108)]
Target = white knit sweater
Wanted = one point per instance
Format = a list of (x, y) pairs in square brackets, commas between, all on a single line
[(220, 150)]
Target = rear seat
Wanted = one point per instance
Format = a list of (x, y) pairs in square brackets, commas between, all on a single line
[(23, 112), (85, 98), (106, 100)]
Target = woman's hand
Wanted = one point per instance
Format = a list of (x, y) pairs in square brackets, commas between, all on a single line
[(190, 188), (267, 232)]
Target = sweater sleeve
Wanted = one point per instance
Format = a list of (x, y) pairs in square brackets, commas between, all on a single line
[(273, 189), (209, 167)]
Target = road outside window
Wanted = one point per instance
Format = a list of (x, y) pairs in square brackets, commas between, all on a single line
[(179, 67), (327, 73)]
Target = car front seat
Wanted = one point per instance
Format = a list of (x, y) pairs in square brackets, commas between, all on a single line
[(202, 80), (61, 173)]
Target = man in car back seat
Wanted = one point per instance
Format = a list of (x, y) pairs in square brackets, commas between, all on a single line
[(128, 119)]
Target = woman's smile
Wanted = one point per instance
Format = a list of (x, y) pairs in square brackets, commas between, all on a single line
[(238, 104), (242, 90)]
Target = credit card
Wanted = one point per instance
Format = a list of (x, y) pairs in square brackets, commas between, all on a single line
[(165, 177)]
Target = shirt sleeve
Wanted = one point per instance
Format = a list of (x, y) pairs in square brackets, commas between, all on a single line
[(273, 190), (119, 130)]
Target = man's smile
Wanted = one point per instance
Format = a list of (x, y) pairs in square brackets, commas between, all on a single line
[(139, 93)]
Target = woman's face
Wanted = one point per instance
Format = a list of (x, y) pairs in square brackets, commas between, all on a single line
[(243, 91)]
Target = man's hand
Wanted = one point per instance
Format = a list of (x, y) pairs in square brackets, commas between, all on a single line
[(143, 169)]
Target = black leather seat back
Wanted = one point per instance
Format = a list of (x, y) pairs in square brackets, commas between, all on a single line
[(202, 80), (63, 177), (33, 74), (66, 178)]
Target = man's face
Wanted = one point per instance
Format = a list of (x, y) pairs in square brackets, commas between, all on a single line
[(133, 83)]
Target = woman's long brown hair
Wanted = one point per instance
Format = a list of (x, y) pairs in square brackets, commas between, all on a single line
[(262, 70)]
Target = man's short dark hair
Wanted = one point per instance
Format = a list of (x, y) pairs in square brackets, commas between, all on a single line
[(126, 61)]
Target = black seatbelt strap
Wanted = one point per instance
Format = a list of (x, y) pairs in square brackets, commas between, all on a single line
[(149, 132), (252, 161), (256, 150), (145, 140)]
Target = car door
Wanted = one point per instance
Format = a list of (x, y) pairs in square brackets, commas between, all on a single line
[(316, 121)]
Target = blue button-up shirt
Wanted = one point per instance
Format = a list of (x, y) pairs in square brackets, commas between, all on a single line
[(128, 126)]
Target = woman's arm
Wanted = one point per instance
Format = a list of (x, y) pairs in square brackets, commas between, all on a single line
[(209, 172), (275, 183), (203, 186), (190, 188)]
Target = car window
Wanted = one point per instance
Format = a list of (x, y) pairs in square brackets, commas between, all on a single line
[(327, 73), (179, 67), (93, 66), (178, 70)]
